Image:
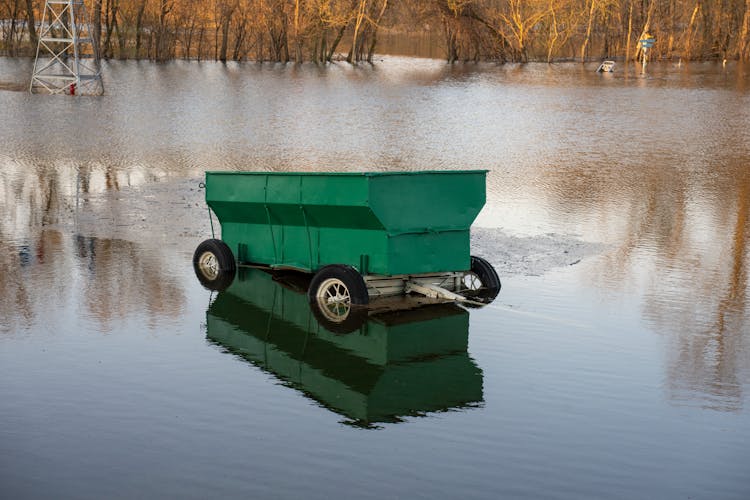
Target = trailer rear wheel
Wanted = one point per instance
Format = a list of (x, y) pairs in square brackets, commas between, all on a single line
[(335, 289), (482, 282), (214, 264)]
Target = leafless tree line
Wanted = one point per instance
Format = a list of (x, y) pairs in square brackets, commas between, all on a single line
[(522, 30), (319, 30)]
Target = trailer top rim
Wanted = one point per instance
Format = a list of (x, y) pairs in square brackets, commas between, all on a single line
[(346, 174)]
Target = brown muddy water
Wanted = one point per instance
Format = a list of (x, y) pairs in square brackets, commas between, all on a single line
[(615, 362)]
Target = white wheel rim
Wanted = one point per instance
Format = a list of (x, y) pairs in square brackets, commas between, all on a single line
[(334, 300), (209, 265)]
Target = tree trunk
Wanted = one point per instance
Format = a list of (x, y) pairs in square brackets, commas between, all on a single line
[(586, 39), (744, 45), (31, 23), (97, 21), (315, 47), (120, 41), (554, 34), (162, 38), (139, 28), (109, 14), (335, 43), (10, 38), (224, 37), (189, 39), (670, 28), (451, 50), (297, 36), (630, 30), (374, 41), (239, 40), (689, 40), (201, 37), (357, 25)]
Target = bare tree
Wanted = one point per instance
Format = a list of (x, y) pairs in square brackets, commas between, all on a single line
[(298, 30)]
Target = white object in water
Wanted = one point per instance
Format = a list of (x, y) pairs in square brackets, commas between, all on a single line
[(606, 67)]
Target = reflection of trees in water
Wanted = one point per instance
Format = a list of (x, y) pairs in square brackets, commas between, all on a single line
[(37, 194), (684, 240), (120, 278), (35, 277), (30, 196), (111, 278), (31, 199), (710, 351), (15, 302), (40, 265)]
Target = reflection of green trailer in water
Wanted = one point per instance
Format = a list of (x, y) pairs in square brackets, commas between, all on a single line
[(364, 235), (396, 364)]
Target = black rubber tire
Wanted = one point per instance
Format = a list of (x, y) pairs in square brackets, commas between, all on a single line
[(348, 275), (351, 284), (490, 282), (225, 266)]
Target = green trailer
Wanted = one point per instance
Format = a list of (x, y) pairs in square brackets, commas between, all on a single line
[(363, 235)]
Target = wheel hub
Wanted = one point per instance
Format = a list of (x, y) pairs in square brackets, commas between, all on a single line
[(334, 300), (209, 265)]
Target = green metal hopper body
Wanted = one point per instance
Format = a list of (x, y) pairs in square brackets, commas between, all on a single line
[(386, 223)]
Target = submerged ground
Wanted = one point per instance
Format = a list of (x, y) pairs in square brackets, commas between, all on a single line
[(614, 363)]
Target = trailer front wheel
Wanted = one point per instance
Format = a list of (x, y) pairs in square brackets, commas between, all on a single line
[(214, 264), (335, 289), (482, 282)]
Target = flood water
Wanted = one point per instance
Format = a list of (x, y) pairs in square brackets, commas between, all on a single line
[(615, 363)]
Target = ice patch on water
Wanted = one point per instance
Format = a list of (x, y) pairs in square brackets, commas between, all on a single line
[(170, 210), (529, 255)]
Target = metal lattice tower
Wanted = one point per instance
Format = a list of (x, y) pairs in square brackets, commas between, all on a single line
[(67, 60)]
